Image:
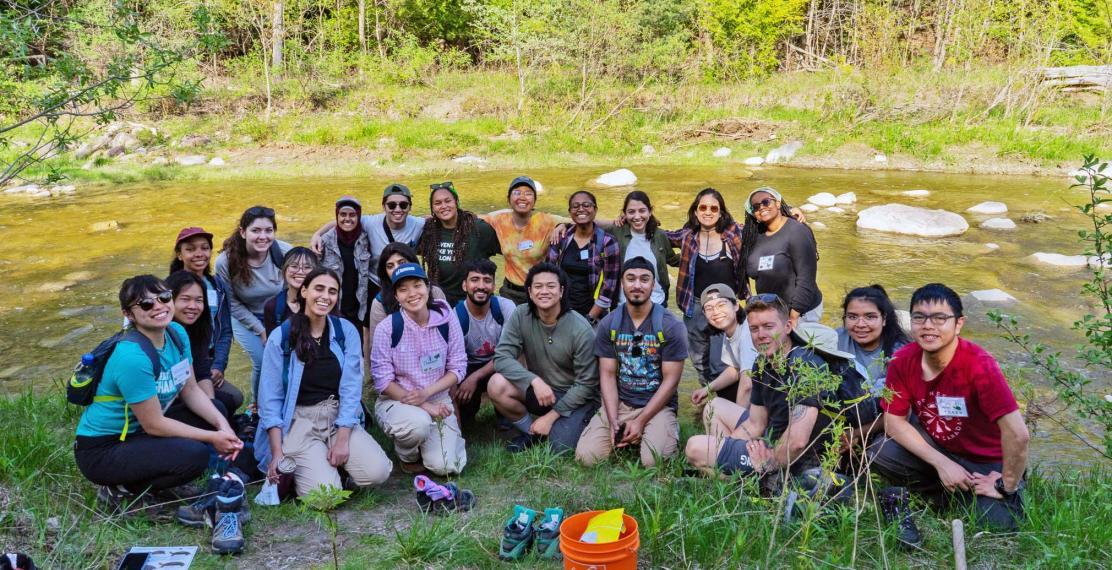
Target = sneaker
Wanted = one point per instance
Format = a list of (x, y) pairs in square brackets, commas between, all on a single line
[(517, 534), (502, 423), (814, 484), (201, 512), (435, 498), (522, 442), (548, 534), (227, 533), (895, 503)]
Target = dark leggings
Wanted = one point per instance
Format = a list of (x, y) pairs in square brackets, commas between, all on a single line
[(143, 461)]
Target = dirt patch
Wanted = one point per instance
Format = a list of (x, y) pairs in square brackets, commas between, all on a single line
[(733, 129)]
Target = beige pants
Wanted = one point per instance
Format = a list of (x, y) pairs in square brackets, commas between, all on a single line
[(439, 445), (311, 435), (660, 437)]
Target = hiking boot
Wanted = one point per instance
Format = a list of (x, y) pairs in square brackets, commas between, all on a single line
[(522, 442), (548, 534), (895, 503), (227, 533), (517, 534), (201, 512), (435, 498)]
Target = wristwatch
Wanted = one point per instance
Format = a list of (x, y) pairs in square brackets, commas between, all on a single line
[(1000, 488)]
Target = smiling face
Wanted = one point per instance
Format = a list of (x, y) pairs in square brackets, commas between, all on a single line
[(158, 316), (637, 284), (189, 304), (195, 254), (296, 272), (347, 218), (545, 290), (864, 322), (708, 211), (931, 336), (637, 214), (444, 206), (320, 295), (412, 294), (523, 199), (582, 208), (766, 208), (721, 313), (478, 287), (259, 234), (394, 261), (396, 208), (770, 331)]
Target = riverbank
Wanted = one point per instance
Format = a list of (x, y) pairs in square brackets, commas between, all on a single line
[(48, 510)]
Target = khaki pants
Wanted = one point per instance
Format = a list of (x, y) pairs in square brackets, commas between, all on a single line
[(417, 437), (311, 435), (660, 437)]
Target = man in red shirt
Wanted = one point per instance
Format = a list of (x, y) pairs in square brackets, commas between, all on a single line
[(954, 430)]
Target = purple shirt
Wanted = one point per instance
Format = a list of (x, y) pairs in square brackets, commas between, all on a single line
[(422, 356)]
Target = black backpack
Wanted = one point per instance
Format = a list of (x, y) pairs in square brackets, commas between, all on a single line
[(83, 391), (852, 399)]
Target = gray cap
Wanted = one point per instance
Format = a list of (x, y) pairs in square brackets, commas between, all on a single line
[(397, 190), (717, 291)]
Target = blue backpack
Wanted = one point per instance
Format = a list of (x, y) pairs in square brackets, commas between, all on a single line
[(397, 328), (465, 317), (82, 388)]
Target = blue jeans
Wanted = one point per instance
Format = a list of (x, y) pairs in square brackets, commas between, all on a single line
[(252, 344)]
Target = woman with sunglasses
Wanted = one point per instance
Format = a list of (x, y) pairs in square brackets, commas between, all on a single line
[(385, 304), (451, 236), (780, 253), (251, 261), (591, 259), (297, 263), (347, 251), (128, 440), (193, 253), (871, 332)]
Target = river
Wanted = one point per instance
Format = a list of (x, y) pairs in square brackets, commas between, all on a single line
[(62, 276)]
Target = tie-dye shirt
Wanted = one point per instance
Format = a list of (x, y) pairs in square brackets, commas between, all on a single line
[(524, 248)]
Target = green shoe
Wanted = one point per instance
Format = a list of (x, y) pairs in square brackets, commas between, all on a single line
[(517, 535), (548, 534)]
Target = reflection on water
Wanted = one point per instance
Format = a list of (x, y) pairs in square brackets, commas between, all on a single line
[(58, 297)]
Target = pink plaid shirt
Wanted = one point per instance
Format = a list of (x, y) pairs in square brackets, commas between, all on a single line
[(422, 356)]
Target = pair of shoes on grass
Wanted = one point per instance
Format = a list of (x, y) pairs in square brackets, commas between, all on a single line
[(224, 509), (523, 531), (432, 497)]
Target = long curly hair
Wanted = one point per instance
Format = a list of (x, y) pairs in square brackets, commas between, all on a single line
[(429, 245), (235, 247)]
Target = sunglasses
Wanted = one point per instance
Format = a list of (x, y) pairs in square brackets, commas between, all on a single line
[(403, 205), (712, 208), (164, 297), (443, 186), (636, 351), (764, 298), (762, 204)]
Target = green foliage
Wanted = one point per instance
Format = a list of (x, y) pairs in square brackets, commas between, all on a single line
[(747, 34), (322, 502)]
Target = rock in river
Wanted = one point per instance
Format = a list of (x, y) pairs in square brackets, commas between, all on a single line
[(989, 208), (992, 296), (998, 224), (909, 220), (824, 199), (620, 177)]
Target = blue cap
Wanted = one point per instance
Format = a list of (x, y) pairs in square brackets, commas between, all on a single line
[(523, 181), (407, 270)]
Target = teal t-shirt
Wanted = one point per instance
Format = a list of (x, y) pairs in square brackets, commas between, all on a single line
[(130, 376)]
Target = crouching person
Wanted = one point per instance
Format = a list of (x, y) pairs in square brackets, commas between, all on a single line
[(416, 357), (641, 348), (559, 380), (954, 429), (310, 394)]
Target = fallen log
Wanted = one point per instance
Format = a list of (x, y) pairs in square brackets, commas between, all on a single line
[(1078, 77)]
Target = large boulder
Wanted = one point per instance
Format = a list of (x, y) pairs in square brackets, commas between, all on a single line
[(824, 199), (909, 220), (989, 209), (916, 193), (190, 141), (1059, 260), (783, 152), (809, 208), (846, 199), (754, 161), (620, 177), (121, 143), (722, 152), (998, 224), (91, 146)]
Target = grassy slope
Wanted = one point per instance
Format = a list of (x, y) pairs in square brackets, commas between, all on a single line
[(685, 522)]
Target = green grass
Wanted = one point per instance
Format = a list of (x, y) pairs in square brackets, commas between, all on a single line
[(49, 511)]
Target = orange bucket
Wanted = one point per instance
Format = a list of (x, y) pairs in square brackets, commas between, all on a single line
[(618, 555)]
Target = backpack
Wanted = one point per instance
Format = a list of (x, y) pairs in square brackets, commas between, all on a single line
[(852, 398), (287, 350), (397, 328), (656, 318), (465, 317), (280, 307), (82, 388), (276, 255)]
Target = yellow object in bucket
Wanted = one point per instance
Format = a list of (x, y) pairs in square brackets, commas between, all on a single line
[(604, 528)]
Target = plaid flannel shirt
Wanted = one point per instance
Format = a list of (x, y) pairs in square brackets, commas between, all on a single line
[(688, 242), (606, 262)]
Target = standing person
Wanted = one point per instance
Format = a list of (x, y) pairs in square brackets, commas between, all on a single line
[(394, 224), (481, 315), (251, 261), (590, 258), (193, 253), (557, 343), (297, 263), (780, 254), (735, 383), (523, 236), (451, 236), (640, 347), (310, 396), (871, 332), (966, 441), (385, 303), (638, 236), (418, 356), (347, 251), (710, 252), (191, 311)]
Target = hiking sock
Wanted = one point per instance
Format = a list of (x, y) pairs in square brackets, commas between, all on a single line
[(524, 424)]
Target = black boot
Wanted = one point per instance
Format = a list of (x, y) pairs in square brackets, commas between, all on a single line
[(895, 503)]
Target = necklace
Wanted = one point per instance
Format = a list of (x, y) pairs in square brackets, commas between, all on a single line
[(317, 339)]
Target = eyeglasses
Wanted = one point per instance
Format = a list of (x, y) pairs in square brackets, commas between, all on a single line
[(164, 297), (868, 318), (636, 351), (937, 319), (520, 192), (403, 205), (443, 186), (717, 306), (762, 204), (712, 208), (581, 206), (301, 268)]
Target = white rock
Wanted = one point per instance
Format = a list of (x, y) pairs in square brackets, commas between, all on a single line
[(783, 152), (992, 296), (1060, 260), (989, 208), (648, 150), (818, 225), (824, 199), (909, 220), (835, 210), (540, 187), (722, 152), (998, 224), (24, 189), (43, 193), (620, 177), (469, 159), (847, 198), (916, 193), (216, 161), (809, 208), (65, 189), (992, 246), (91, 146), (191, 159), (754, 161), (880, 157)]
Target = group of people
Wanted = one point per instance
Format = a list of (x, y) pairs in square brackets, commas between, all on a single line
[(577, 349)]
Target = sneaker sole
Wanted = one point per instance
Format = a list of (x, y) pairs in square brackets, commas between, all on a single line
[(227, 550)]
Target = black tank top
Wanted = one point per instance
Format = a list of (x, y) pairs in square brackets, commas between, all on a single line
[(716, 268)]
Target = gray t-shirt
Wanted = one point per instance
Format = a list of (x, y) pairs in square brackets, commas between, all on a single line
[(738, 350), (640, 353), (872, 364), (247, 300), (375, 228), (640, 247), (483, 334), (785, 263)]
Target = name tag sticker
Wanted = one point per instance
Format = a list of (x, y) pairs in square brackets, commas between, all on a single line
[(583, 254), (180, 372), (525, 245), (432, 362), (765, 262), (951, 407)]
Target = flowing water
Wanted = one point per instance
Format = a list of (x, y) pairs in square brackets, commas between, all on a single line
[(61, 275)]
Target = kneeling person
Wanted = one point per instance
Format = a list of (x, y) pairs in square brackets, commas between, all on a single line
[(641, 348), (557, 343), (484, 314)]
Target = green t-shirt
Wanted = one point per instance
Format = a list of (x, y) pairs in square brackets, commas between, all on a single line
[(129, 375), (481, 244)]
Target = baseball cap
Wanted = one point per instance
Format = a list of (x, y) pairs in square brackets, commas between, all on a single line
[(717, 291), (397, 190), (407, 270), (819, 337), (192, 231), (523, 181)]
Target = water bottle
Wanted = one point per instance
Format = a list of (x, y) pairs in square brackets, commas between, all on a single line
[(83, 372)]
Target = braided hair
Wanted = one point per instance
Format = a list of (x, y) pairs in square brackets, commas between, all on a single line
[(429, 245), (752, 228)]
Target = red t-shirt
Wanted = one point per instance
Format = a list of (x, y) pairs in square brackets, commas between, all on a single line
[(960, 407)]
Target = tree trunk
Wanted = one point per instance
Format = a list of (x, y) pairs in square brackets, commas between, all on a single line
[(379, 33), (363, 26), (278, 32)]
